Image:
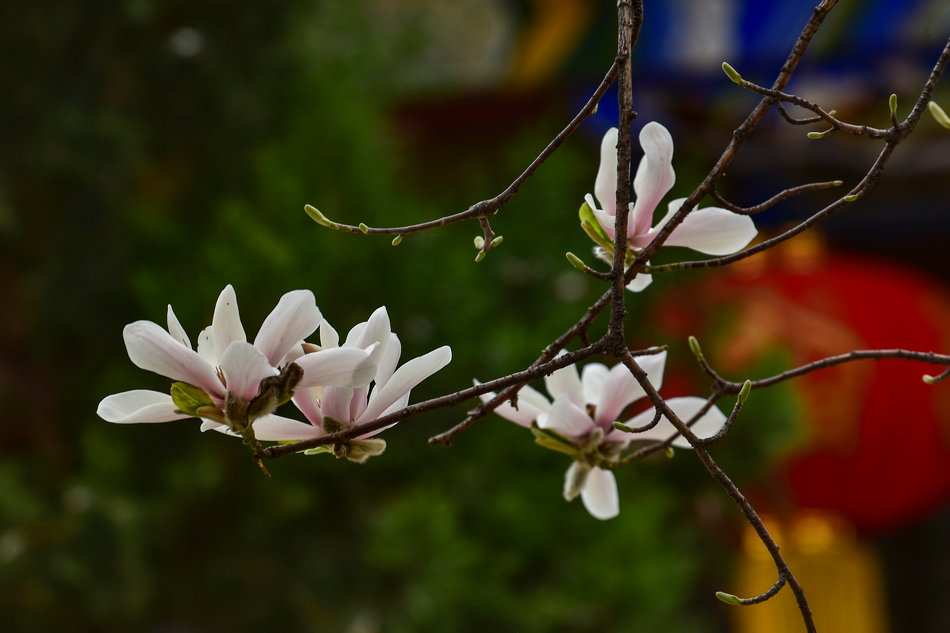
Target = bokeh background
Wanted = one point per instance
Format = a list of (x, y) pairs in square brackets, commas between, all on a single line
[(153, 152)]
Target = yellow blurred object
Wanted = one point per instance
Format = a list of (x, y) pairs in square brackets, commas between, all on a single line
[(551, 34), (841, 577)]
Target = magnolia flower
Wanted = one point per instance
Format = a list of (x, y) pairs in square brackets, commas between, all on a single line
[(580, 420), (330, 409), (228, 378), (709, 230)]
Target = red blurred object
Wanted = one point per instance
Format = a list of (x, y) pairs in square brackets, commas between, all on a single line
[(878, 438)]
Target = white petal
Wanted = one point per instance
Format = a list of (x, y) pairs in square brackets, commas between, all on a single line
[(684, 408), (176, 330), (605, 219), (655, 176), (375, 330), (328, 336), (152, 348), (336, 402), (710, 230), (605, 186), (531, 404), (593, 381), (244, 367), (138, 406), (275, 428), (308, 401), (340, 366), (388, 360), (640, 282), (404, 379), (211, 425), (565, 381), (295, 317), (622, 388), (600, 494), (566, 418), (225, 327)]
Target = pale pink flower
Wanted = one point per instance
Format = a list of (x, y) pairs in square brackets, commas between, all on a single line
[(709, 230), (225, 363), (584, 409), (329, 409)]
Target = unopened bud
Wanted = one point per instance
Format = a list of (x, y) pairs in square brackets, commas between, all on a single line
[(479, 256), (928, 379), (744, 392), (695, 348), (731, 73), (851, 198), (837, 183), (892, 103), (938, 114), (364, 229), (728, 598), (620, 426), (479, 242), (575, 261), (317, 217), (397, 240), (498, 240), (815, 135)]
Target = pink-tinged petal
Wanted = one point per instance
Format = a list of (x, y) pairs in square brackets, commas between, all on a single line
[(404, 379), (621, 388), (176, 330), (152, 348), (605, 219), (328, 336), (685, 408), (565, 381), (531, 404), (338, 366), (593, 381), (359, 401), (600, 495), (275, 428), (308, 401), (711, 230), (139, 406), (387, 362), (295, 317), (605, 186), (225, 328), (244, 367), (376, 329), (335, 403), (655, 176), (566, 418)]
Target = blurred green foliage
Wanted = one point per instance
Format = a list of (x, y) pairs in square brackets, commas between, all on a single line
[(132, 177)]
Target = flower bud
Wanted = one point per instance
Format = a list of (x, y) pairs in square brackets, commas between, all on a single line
[(728, 598)]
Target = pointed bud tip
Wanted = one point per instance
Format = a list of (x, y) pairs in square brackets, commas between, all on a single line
[(695, 348), (939, 114), (397, 240), (744, 392), (575, 261), (850, 198), (727, 598), (837, 183), (731, 73), (620, 426), (816, 135), (317, 216)]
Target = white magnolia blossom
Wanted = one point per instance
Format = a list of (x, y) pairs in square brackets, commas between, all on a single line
[(709, 230), (584, 409), (225, 363), (333, 408)]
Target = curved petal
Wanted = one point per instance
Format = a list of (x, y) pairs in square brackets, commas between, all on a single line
[(655, 176), (531, 404), (308, 401), (640, 282), (622, 388), (225, 327), (710, 230), (605, 219), (388, 360), (152, 348), (605, 186), (335, 403), (565, 381), (295, 317), (244, 367), (276, 428), (566, 418), (593, 381), (404, 379), (139, 406), (338, 366), (328, 336), (600, 494), (176, 330), (685, 408)]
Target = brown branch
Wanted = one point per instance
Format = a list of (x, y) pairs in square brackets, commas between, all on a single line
[(779, 197)]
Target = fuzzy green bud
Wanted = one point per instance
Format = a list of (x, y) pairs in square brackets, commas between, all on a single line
[(744, 392), (928, 379), (851, 198), (938, 114), (364, 229), (695, 348), (498, 240), (397, 240), (575, 261), (479, 242), (317, 217), (479, 256), (892, 104), (728, 598), (732, 73), (620, 426), (816, 135)]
